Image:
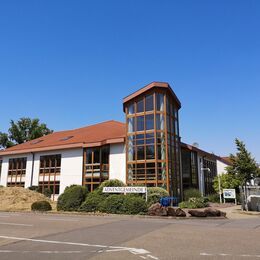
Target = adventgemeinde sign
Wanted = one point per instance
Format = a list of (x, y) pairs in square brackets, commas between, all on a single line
[(124, 189)]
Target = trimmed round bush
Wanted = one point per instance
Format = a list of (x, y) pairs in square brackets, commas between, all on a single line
[(154, 195), (41, 206), (72, 198), (113, 204), (191, 193), (92, 202), (134, 205)]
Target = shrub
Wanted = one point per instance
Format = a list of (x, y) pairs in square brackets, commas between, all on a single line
[(154, 195), (134, 205), (194, 203), (123, 204), (113, 204), (72, 198), (191, 193), (91, 204), (47, 192), (213, 198), (41, 206), (34, 188)]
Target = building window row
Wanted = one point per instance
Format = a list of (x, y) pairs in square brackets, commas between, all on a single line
[(96, 166), (16, 172), (49, 174)]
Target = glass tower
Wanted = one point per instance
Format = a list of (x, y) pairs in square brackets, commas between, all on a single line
[(152, 138)]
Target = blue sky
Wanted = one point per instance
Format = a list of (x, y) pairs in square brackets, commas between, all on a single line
[(70, 63)]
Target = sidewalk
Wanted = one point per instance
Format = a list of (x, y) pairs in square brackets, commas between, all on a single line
[(235, 212)]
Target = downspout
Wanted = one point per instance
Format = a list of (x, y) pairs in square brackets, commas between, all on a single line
[(32, 169)]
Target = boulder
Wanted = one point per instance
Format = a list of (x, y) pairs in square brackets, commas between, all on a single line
[(180, 213), (215, 213), (197, 213), (157, 210), (171, 211), (212, 212)]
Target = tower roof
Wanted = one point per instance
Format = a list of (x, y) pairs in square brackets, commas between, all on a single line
[(155, 84)]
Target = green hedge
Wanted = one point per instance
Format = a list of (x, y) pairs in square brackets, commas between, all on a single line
[(41, 206), (192, 193), (72, 198), (113, 204), (134, 205), (194, 203), (91, 204)]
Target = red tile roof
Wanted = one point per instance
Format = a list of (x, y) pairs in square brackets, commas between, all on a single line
[(89, 136)]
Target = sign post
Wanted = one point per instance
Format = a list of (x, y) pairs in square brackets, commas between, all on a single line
[(229, 194), (126, 190)]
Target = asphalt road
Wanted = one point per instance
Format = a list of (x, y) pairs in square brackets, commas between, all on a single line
[(55, 236)]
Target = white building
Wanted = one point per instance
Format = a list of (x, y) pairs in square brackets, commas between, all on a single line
[(146, 150)]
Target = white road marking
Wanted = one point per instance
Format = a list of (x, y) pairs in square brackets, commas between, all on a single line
[(136, 251), (242, 255), (41, 252), (15, 224), (60, 219)]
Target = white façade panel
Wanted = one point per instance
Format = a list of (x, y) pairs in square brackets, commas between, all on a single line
[(71, 167), (221, 167), (5, 166), (117, 162)]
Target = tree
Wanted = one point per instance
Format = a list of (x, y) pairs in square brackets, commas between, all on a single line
[(25, 129), (227, 181), (243, 166), (4, 141)]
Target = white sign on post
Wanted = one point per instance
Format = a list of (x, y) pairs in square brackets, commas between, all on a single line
[(125, 190), (229, 194)]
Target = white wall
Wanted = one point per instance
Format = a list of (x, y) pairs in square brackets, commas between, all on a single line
[(117, 162), (221, 167), (5, 166), (71, 167)]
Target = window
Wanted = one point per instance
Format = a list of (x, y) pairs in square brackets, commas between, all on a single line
[(66, 138), (140, 106), (140, 123), (131, 109), (49, 175), (96, 166), (149, 122), (160, 102), (149, 103), (16, 172)]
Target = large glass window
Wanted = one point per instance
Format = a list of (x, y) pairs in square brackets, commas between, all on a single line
[(140, 123), (151, 143), (96, 166), (209, 175), (149, 122), (140, 106), (16, 172), (49, 176), (149, 103)]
